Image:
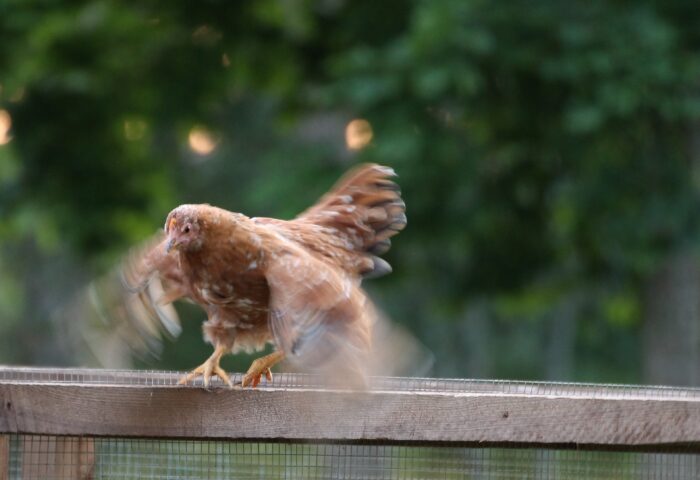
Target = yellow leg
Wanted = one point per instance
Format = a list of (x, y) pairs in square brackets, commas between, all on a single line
[(259, 367), (209, 368)]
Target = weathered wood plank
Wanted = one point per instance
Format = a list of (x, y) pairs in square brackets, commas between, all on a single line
[(423, 417)]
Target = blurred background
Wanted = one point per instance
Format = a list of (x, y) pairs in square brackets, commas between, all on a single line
[(548, 152)]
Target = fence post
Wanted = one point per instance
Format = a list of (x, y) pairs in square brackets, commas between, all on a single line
[(86, 470), (4, 457), (58, 457)]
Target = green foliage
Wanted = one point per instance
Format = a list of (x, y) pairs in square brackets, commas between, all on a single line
[(544, 149)]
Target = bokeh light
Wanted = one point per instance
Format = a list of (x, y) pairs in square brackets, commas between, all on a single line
[(358, 134), (5, 124), (202, 141)]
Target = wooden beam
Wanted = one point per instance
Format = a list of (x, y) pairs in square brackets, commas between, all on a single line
[(529, 418)]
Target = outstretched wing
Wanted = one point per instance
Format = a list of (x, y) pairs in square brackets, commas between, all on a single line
[(319, 316), (365, 205), (129, 310), (153, 280), (353, 223)]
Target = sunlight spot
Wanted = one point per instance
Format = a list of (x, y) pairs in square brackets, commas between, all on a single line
[(225, 61), (202, 141), (134, 129), (5, 124), (358, 134)]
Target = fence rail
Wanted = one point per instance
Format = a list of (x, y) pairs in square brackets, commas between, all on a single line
[(394, 411)]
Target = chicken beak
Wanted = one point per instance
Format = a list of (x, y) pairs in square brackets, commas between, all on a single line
[(169, 246)]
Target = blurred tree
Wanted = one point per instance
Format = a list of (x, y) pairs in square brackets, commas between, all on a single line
[(546, 153), (559, 174)]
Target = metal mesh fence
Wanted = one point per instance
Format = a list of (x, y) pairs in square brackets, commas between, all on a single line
[(24, 456), (46, 457), (295, 381)]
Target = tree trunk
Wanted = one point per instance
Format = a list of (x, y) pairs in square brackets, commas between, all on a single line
[(474, 343), (672, 323), (561, 341)]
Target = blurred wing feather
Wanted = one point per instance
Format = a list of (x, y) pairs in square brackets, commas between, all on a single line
[(129, 310), (318, 316), (153, 280)]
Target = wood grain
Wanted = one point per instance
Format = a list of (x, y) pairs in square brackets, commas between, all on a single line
[(303, 414)]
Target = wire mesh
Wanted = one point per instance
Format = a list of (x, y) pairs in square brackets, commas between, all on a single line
[(294, 381), (25, 456), (47, 457)]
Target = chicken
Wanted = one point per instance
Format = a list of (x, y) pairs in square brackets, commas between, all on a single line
[(295, 284)]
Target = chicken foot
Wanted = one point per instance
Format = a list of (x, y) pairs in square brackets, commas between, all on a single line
[(209, 368), (260, 367)]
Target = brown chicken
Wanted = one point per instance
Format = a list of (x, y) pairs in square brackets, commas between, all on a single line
[(293, 283)]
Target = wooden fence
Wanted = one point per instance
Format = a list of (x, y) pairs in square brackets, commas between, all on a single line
[(84, 404)]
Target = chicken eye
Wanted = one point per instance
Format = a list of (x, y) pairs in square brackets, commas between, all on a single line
[(187, 229)]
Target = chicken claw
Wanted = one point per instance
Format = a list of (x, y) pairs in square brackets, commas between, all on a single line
[(260, 367), (208, 369)]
